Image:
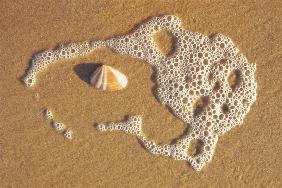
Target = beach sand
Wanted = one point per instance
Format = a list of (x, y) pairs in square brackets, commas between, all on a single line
[(32, 154)]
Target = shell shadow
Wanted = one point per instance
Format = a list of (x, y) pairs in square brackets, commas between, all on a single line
[(84, 71)]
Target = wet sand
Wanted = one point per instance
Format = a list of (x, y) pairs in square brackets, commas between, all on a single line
[(32, 154)]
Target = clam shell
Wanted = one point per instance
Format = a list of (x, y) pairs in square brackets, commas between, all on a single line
[(108, 79)]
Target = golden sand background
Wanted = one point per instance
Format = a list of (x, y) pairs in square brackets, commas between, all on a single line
[(32, 154)]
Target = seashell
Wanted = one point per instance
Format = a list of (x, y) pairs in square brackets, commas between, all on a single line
[(108, 79)]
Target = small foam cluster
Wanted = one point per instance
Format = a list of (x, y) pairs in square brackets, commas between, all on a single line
[(48, 114), (132, 126), (59, 127), (205, 81), (68, 134)]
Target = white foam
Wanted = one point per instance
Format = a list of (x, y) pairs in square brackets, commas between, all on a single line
[(197, 72), (68, 134), (48, 114), (41, 60), (176, 151), (58, 126)]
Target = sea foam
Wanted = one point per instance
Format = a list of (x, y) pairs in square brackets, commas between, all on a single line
[(206, 82)]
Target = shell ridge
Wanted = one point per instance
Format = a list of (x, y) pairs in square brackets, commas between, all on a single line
[(120, 77), (108, 78)]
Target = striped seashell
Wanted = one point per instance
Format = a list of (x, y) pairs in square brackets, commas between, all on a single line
[(108, 79)]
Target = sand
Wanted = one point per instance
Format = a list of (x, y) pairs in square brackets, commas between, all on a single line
[(32, 154)]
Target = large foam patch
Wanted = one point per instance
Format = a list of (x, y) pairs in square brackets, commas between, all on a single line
[(204, 80)]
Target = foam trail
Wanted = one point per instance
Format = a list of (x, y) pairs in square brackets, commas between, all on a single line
[(176, 151), (41, 60)]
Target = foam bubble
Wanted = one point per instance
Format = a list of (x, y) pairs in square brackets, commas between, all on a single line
[(58, 126), (68, 134), (48, 114), (206, 82)]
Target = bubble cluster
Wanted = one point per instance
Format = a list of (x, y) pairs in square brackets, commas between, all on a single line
[(132, 126), (58, 126), (48, 114), (68, 134), (205, 81)]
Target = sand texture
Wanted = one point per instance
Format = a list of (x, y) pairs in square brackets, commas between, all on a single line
[(32, 154)]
